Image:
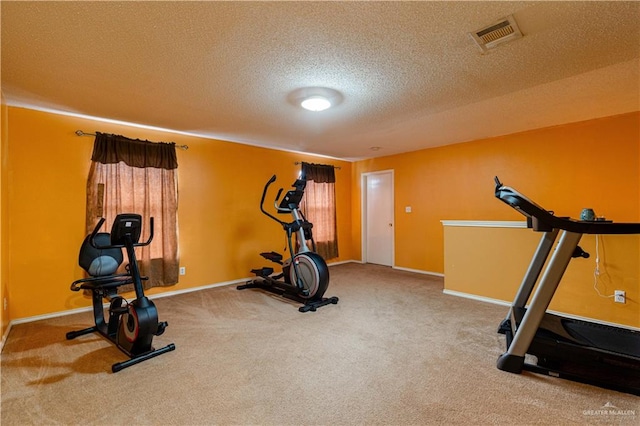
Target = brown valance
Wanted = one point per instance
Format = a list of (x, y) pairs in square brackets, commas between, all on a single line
[(112, 149), (319, 173)]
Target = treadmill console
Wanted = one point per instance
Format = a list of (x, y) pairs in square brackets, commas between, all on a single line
[(542, 220)]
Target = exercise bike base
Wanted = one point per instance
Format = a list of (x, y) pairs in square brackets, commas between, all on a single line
[(118, 366), (309, 304), (135, 359), (73, 334)]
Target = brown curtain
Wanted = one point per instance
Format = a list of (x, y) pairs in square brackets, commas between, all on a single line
[(136, 176), (319, 207)]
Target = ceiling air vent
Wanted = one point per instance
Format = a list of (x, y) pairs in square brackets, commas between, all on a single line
[(506, 29)]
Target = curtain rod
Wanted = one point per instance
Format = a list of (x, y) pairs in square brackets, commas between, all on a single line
[(81, 133), (335, 167)]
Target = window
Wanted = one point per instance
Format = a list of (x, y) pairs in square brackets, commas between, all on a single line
[(135, 176), (319, 207)]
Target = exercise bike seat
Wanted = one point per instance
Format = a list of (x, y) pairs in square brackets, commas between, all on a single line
[(105, 283), (101, 265)]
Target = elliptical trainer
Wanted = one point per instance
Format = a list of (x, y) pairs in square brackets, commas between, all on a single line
[(131, 325), (305, 275)]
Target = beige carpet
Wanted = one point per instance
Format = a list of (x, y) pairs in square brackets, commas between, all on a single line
[(394, 351)]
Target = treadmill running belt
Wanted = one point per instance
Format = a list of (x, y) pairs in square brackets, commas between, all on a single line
[(613, 339)]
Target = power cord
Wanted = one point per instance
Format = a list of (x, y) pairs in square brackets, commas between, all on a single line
[(596, 272)]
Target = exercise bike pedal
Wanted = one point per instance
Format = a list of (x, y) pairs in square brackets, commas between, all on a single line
[(161, 327), (116, 307), (262, 272)]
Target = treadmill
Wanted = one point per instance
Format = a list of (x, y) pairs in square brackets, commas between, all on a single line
[(582, 351)]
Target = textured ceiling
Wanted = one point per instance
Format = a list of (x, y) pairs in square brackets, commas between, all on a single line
[(409, 75)]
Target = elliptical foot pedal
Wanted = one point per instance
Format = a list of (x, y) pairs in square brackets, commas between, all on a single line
[(272, 256), (262, 272)]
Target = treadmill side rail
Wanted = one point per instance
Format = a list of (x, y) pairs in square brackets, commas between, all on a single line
[(525, 333)]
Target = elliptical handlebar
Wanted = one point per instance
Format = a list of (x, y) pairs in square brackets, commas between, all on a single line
[(275, 202), (264, 194), (146, 243)]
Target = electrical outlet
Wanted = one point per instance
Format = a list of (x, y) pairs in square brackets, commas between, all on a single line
[(183, 270), (619, 296)]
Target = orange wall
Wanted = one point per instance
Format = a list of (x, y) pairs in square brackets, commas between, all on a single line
[(619, 257), (492, 261), (221, 228), (4, 217), (564, 168)]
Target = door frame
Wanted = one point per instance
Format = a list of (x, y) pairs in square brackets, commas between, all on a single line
[(363, 213)]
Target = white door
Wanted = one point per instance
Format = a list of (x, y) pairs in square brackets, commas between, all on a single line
[(378, 218)]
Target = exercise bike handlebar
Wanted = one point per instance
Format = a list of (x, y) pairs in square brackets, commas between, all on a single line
[(99, 225), (95, 232)]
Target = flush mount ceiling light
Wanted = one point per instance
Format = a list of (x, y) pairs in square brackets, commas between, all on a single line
[(315, 98), (315, 103)]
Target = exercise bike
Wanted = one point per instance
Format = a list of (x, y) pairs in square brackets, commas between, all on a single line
[(305, 275), (131, 325)]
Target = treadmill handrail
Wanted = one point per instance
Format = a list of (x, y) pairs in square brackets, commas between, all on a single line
[(543, 220)]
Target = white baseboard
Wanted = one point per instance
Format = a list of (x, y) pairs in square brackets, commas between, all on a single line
[(419, 271), (105, 305), (199, 288), (342, 262), (226, 283), (153, 296), (563, 314), (5, 336), (476, 297)]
